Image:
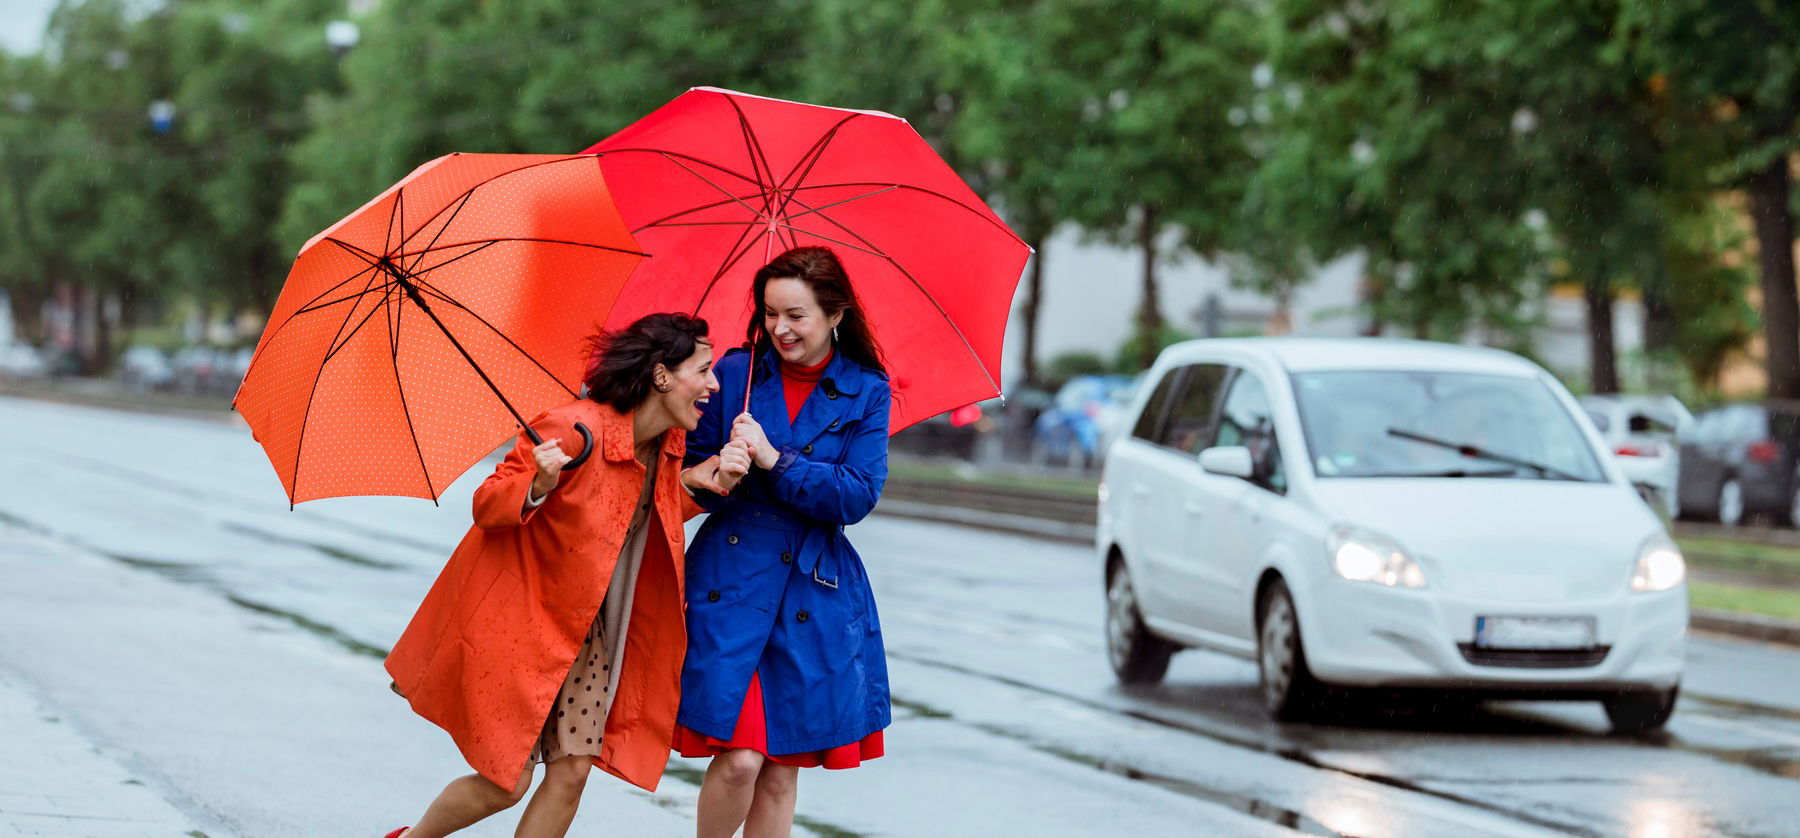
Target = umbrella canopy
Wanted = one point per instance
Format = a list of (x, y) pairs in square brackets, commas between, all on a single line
[(417, 334), (716, 183)]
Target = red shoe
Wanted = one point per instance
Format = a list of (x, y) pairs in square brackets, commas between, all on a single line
[(397, 833)]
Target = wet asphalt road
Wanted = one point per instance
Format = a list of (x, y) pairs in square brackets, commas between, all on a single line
[(997, 663)]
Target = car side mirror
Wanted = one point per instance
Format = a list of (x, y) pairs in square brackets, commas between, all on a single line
[(1228, 460)]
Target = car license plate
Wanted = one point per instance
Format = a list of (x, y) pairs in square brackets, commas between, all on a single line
[(1534, 632)]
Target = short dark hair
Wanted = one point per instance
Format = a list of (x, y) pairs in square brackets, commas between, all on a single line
[(820, 269), (623, 362)]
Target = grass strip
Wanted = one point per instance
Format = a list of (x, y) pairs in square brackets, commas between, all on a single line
[(1744, 600)]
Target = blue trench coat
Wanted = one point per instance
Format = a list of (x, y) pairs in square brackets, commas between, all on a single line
[(772, 583)]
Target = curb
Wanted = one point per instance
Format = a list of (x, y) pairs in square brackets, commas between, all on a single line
[(1748, 626)]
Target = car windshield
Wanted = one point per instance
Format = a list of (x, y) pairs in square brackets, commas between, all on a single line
[(1439, 424)]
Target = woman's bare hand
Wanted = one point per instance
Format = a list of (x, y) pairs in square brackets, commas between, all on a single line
[(550, 459)]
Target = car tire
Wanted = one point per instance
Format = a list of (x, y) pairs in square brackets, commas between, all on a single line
[(1136, 655), (1641, 711), (1730, 506), (1793, 514), (1289, 690)]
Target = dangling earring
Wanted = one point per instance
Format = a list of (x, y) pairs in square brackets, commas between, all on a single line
[(834, 337)]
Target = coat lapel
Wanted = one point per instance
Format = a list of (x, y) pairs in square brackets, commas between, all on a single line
[(829, 401), (767, 403)]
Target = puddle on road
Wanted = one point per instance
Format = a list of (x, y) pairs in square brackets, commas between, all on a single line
[(311, 626), (329, 551)]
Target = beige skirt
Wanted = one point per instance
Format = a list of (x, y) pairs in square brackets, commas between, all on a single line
[(575, 723)]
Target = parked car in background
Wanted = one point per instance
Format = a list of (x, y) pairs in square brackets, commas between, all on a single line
[(20, 360), (1079, 421), (145, 367), (1741, 461), (1384, 513), (1642, 432)]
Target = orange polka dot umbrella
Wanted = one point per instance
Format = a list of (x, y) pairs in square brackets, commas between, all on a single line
[(417, 334)]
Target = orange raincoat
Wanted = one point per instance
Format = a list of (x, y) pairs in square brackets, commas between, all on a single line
[(487, 652)]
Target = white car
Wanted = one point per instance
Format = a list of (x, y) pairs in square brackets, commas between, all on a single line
[(1641, 432), (1385, 513)]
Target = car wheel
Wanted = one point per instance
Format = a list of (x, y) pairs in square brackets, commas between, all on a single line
[(1641, 712), (1137, 656), (1731, 502), (1794, 502), (1289, 691)]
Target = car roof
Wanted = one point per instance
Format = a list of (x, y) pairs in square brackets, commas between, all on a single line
[(1327, 354)]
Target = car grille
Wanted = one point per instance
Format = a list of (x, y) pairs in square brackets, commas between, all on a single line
[(1534, 658)]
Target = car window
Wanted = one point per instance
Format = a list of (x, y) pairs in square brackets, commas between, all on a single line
[(1245, 419), (1191, 413), (1422, 424), (1150, 422)]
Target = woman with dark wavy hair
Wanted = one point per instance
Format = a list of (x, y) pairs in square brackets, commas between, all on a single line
[(554, 634), (785, 666)]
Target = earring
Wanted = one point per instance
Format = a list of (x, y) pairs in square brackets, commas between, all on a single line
[(661, 386), (834, 336)]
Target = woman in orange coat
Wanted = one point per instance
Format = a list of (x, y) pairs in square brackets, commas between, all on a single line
[(555, 632)]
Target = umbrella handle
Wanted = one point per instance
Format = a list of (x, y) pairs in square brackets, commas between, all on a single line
[(587, 447)]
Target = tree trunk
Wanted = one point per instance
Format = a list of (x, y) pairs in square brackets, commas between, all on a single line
[(1769, 191), (27, 302), (1034, 301), (1372, 287), (1603, 357), (1150, 321)]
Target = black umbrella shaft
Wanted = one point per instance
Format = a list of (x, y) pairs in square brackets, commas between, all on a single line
[(418, 299)]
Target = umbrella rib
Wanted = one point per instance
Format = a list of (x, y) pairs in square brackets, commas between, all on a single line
[(671, 155), (722, 190), (753, 146), (508, 172), (436, 292), (452, 260), (810, 159), (880, 191), (400, 388), (732, 256), (387, 235), (531, 239), (300, 444), (927, 294), (664, 221), (338, 345), (329, 303), (461, 202), (911, 188)]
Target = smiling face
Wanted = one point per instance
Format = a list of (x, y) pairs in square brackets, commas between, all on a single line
[(690, 384), (792, 318)]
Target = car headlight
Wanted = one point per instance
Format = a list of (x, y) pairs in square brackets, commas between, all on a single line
[(1659, 566), (1363, 556)]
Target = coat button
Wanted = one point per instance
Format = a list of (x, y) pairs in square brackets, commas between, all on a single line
[(834, 423), (787, 558), (831, 395), (802, 616), (731, 539), (712, 596), (807, 449)]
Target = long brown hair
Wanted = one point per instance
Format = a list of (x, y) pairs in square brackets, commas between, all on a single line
[(820, 269)]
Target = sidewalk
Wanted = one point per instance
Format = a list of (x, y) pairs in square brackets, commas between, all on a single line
[(56, 781)]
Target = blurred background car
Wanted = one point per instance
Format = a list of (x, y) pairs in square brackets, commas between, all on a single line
[(145, 368), (1740, 461), (22, 361), (1081, 419), (1385, 514), (1642, 431)]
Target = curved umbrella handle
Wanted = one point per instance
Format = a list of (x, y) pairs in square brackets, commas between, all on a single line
[(587, 447)]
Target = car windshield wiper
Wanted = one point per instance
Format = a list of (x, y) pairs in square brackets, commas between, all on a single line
[(1449, 472), (1480, 453)]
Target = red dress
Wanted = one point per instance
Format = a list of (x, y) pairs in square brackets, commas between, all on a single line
[(752, 729)]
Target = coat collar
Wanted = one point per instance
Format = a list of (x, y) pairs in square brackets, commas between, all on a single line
[(616, 436), (824, 408)]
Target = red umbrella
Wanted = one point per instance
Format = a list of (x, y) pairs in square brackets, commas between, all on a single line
[(718, 182), (417, 334)]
